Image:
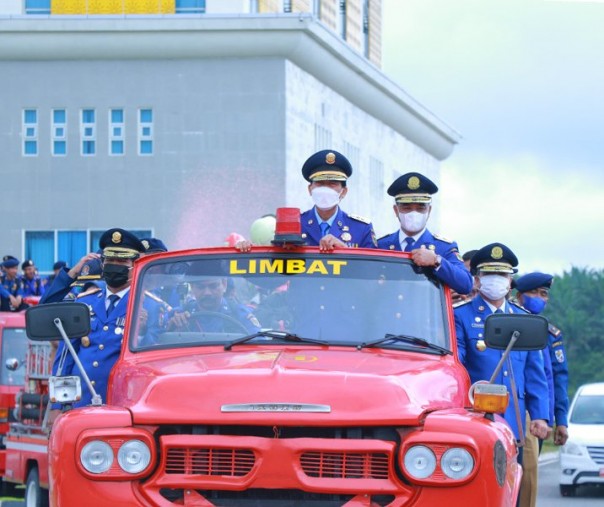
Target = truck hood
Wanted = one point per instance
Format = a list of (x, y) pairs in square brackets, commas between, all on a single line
[(281, 386)]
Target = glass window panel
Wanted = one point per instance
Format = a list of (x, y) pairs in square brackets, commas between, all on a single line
[(72, 246), (190, 6), (88, 131), (30, 116), (146, 131), (37, 6), (95, 236), (88, 116), (117, 147), (146, 147), (30, 131), (146, 115), (40, 246), (58, 116), (117, 131), (59, 148), (117, 116), (88, 147), (31, 147), (59, 132)]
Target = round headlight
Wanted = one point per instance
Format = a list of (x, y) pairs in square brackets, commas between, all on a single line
[(457, 463), (420, 462), (96, 456), (134, 456)]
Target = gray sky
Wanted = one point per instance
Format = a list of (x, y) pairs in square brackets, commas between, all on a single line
[(523, 82)]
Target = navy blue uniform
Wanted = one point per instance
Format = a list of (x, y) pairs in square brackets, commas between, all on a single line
[(203, 320), (98, 351), (480, 362), (451, 272), (560, 372), (59, 290), (10, 288), (353, 230), (33, 287)]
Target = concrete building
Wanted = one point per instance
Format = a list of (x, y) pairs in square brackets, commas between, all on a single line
[(189, 126)]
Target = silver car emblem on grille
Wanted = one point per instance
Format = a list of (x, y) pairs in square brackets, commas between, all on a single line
[(275, 407)]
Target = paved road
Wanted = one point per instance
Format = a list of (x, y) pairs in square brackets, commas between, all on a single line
[(549, 489)]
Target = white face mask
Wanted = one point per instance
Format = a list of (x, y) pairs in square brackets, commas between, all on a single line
[(325, 197), (494, 287), (414, 221)]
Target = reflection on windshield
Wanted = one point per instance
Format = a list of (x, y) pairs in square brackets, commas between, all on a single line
[(345, 301), (588, 410), (14, 346)]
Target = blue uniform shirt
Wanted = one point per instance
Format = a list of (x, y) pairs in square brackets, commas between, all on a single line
[(451, 272), (480, 362), (353, 230), (99, 351), (12, 287)]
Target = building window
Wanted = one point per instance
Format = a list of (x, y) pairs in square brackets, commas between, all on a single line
[(116, 132), (58, 129), (37, 6), (190, 6), (322, 138), (145, 132), (88, 132), (47, 247), (30, 132)]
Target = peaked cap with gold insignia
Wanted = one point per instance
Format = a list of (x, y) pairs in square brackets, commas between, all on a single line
[(494, 258), (121, 244), (327, 165), (412, 187)]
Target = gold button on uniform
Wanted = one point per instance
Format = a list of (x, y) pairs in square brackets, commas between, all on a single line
[(105, 328), (95, 364), (93, 382), (505, 373), (101, 346)]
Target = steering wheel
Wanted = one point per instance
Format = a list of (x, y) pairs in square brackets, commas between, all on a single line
[(230, 324)]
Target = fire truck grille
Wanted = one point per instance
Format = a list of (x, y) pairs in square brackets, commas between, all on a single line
[(209, 462), (345, 465)]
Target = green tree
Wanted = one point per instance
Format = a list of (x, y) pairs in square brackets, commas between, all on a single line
[(576, 307)]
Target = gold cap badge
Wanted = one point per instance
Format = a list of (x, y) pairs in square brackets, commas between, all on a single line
[(330, 158), (145, 244), (496, 252), (85, 341), (413, 183), (116, 237)]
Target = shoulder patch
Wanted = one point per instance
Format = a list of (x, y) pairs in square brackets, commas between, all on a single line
[(442, 238), (92, 290), (554, 330), (359, 218)]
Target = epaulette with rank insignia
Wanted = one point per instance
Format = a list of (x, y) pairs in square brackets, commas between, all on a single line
[(442, 238), (359, 218), (518, 305), (554, 331), (461, 303), (92, 290)]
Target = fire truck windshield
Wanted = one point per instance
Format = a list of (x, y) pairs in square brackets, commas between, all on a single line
[(14, 346), (341, 300)]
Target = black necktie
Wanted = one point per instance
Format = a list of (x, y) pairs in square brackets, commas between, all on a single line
[(324, 228), (113, 299), (409, 240)]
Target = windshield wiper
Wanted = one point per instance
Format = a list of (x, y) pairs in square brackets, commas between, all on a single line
[(275, 335), (414, 340)]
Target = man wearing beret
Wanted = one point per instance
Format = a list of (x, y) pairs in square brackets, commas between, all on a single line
[(99, 351), (533, 294), (412, 194), (494, 265), (31, 282), (326, 225), (11, 288)]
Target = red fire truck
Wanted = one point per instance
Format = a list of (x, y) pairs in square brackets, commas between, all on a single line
[(283, 376), (13, 348)]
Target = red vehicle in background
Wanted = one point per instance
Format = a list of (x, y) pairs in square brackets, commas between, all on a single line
[(13, 349)]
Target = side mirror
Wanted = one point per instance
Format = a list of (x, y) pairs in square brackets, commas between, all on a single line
[(40, 321), (532, 333)]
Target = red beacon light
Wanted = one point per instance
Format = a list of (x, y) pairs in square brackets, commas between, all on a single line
[(288, 229)]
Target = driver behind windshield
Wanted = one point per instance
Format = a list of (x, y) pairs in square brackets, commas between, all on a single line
[(209, 309)]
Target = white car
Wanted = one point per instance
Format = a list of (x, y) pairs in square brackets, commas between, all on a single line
[(582, 457)]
